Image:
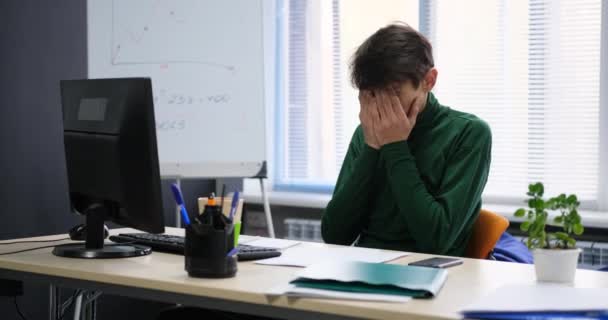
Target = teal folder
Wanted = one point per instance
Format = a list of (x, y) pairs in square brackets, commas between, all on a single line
[(374, 278)]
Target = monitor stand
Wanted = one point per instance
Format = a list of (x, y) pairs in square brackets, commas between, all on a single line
[(94, 248)]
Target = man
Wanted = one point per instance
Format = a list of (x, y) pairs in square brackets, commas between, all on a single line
[(415, 170)]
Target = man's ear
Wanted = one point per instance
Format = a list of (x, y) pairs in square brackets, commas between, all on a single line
[(430, 79)]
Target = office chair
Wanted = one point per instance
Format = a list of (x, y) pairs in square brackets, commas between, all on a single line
[(485, 234)]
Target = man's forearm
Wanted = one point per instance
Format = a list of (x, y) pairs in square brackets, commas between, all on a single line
[(343, 218)]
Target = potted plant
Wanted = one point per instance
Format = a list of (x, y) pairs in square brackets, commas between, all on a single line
[(555, 253)]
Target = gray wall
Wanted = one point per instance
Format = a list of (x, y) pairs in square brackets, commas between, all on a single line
[(42, 42)]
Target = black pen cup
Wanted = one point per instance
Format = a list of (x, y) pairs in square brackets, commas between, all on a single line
[(206, 251)]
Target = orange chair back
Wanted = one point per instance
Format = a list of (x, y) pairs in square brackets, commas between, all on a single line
[(486, 231)]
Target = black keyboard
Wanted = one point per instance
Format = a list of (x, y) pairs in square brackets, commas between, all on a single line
[(175, 244)]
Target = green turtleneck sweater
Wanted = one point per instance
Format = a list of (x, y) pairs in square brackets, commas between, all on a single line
[(420, 195)]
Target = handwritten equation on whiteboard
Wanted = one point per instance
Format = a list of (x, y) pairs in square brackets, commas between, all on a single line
[(165, 98), (171, 125)]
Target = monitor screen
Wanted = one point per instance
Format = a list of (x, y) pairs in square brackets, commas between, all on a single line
[(92, 109), (111, 161)]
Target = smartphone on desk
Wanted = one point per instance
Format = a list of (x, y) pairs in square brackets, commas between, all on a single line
[(437, 262)]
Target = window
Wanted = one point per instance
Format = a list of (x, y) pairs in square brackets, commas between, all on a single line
[(530, 68), (317, 108)]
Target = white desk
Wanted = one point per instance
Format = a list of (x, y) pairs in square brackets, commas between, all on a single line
[(162, 277)]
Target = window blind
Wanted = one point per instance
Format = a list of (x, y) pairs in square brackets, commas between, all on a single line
[(319, 109), (531, 69)]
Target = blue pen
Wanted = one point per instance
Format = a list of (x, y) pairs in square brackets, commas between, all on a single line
[(232, 252), (177, 194), (235, 201)]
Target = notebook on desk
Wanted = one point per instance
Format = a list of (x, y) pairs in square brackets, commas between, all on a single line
[(304, 256), (541, 301), (366, 281)]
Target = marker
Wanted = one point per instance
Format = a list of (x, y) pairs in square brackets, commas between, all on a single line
[(179, 199), (232, 252), (223, 194), (235, 201)]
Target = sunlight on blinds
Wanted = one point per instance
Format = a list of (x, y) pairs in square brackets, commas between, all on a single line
[(531, 70), (320, 107)]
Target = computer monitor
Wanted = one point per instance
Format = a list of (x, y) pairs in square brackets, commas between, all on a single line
[(112, 161)]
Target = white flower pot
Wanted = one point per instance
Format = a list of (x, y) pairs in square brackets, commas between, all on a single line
[(556, 265)]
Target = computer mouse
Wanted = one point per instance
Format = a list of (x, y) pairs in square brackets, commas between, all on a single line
[(79, 232)]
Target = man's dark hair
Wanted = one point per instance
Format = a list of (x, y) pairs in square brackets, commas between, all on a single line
[(394, 54)]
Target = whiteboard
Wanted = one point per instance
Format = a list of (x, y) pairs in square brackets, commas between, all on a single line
[(206, 62)]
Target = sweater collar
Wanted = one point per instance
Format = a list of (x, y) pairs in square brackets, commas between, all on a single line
[(427, 115)]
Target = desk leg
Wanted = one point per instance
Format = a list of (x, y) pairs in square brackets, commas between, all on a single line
[(88, 306), (53, 305), (78, 306), (94, 309)]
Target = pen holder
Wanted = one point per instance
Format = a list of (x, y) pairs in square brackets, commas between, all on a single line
[(206, 251)]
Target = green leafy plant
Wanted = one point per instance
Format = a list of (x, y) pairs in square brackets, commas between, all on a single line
[(536, 216)]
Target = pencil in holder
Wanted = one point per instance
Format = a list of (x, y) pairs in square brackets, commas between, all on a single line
[(206, 251)]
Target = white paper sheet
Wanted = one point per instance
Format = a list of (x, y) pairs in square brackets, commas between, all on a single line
[(273, 243), (303, 256), (245, 239), (542, 297), (293, 291)]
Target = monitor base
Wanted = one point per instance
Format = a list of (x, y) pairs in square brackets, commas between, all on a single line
[(110, 251)]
